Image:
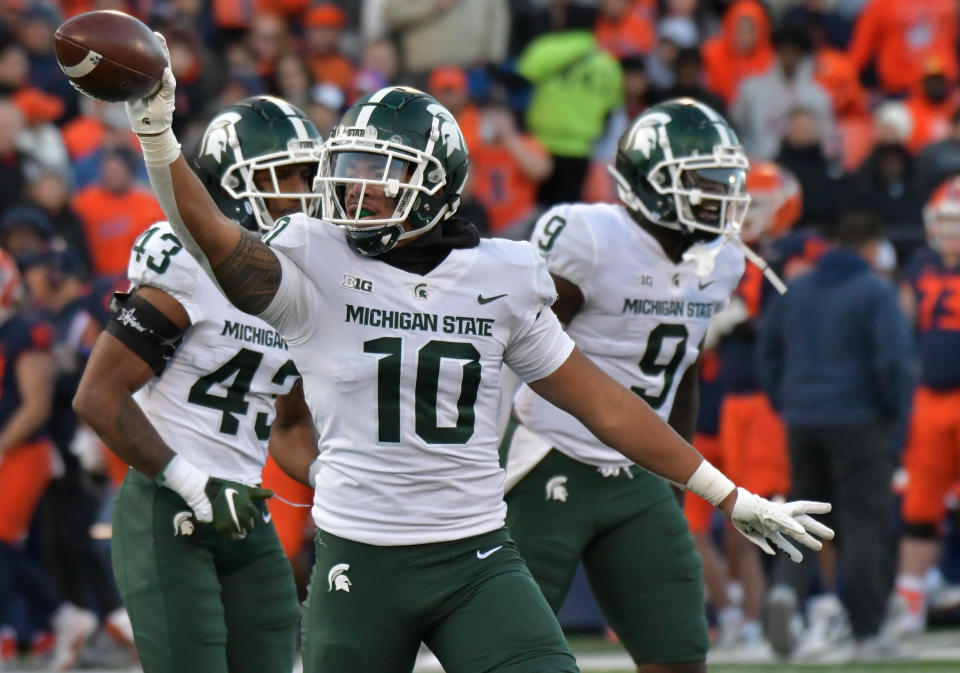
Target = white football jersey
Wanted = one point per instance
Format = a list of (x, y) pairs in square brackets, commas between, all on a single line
[(642, 320), (400, 372), (214, 402)]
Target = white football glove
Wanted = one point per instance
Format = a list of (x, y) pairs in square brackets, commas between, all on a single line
[(758, 519), (154, 114)]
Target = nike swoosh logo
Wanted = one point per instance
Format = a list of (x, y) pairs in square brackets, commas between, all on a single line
[(267, 516), (230, 493), (704, 286), (483, 555), (486, 300)]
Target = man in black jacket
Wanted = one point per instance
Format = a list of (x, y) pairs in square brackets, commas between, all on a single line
[(833, 357)]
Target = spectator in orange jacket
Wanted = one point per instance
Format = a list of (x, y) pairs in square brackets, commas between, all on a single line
[(323, 26), (931, 105), (115, 212), (742, 48), (626, 27), (901, 36)]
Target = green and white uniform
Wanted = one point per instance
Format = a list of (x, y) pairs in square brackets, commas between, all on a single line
[(196, 601), (642, 321), (409, 493)]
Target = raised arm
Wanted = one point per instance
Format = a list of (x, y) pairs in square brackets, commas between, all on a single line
[(246, 270)]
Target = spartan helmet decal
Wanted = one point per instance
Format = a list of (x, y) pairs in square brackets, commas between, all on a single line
[(449, 130), (219, 135), (183, 523), (337, 578), (557, 488)]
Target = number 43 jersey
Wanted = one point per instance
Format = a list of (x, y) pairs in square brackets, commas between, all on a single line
[(400, 372), (642, 320), (214, 402)]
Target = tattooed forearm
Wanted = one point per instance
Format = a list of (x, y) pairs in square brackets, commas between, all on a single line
[(250, 276)]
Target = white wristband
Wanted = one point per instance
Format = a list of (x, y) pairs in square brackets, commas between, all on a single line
[(161, 149), (710, 483), (187, 480)]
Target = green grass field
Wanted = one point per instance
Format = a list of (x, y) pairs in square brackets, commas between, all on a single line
[(937, 652)]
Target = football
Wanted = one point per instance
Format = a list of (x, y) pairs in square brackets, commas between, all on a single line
[(110, 55)]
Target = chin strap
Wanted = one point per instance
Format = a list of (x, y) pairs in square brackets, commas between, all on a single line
[(761, 264)]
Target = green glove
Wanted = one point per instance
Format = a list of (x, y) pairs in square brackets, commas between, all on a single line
[(234, 511)]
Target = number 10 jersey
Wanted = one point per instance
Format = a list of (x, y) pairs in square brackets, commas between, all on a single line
[(400, 372), (642, 320)]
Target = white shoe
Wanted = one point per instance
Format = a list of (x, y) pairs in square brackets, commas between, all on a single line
[(901, 621), (828, 635), (751, 645), (729, 621), (878, 648), (71, 627), (783, 623), (118, 625)]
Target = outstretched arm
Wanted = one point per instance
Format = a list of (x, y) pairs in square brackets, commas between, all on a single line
[(246, 270), (622, 420)]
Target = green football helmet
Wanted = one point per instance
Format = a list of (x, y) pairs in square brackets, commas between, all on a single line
[(680, 165), (403, 142), (261, 133)]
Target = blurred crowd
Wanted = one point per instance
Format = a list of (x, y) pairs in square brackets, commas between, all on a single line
[(848, 109)]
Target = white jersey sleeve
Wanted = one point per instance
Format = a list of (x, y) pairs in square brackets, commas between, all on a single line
[(540, 345), (294, 309), (158, 260), (569, 244)]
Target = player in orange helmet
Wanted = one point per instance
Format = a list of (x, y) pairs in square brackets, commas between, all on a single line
[(932, 457)]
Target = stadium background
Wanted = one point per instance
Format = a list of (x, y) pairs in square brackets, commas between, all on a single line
[(868, 124)]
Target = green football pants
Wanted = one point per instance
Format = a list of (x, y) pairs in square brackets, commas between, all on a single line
[(199, 603)]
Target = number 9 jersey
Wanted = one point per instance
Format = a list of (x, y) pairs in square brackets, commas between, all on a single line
[(643, 316), (214, 401)]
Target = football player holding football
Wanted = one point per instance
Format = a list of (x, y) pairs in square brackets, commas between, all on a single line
[(399, 319)]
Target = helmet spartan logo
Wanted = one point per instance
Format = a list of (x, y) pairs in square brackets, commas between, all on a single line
[(557, 488), (337, 578), (182, 524), (449, 130), (420, 291), (643, 136), (217, 138)]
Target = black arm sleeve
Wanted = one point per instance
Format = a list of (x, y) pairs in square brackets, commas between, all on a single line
[(146, 331)]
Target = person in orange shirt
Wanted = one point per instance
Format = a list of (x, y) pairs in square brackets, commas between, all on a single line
[(627, 27), (115, 212), (742, 48), (931, 105), (507, 166), (323, 24), (900, 36)]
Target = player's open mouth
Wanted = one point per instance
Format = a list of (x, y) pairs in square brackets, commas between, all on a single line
[(364, 213), (707, 212)]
